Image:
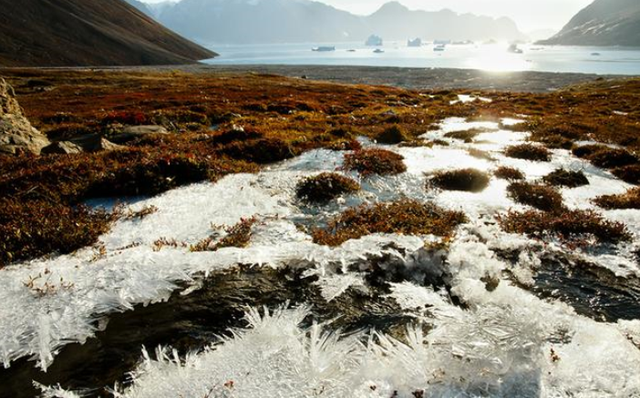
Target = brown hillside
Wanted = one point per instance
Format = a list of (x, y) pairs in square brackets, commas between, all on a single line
[(87, 33)]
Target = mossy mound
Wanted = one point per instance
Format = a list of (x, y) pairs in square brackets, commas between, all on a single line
[(375, 161), (606, 157), (508, 173), (627, 200), (325, 187), (574, 226), (541, 197), (393, 135), (408, 217), (528, 152), (470, 180), (629, 174), (566, 178)]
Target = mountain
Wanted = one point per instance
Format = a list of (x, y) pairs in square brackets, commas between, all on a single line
[(140, 6), (291, 21), (87, 33), (602, 23)]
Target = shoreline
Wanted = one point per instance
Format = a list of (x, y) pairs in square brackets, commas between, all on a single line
[(401, 77)]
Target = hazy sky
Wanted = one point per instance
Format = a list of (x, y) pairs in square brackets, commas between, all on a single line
[(528, 14)]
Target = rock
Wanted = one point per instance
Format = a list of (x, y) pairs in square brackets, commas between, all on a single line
[(17, 135), (62, 147), (95, 143), (130, 133)]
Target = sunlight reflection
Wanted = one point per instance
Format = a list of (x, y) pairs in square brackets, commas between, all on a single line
[(498, 59)]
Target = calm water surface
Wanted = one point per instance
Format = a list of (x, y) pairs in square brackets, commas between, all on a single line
[(490, 57)]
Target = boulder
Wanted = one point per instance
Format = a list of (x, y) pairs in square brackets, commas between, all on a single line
[(130, 133), (17, 135), (62, 147), (95, 142)]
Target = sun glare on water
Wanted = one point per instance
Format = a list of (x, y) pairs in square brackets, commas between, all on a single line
[(498, 59)]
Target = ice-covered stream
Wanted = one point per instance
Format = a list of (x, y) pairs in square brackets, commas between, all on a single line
[(508, 340)]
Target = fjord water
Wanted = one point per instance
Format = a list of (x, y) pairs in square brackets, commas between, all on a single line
[(489, 57)]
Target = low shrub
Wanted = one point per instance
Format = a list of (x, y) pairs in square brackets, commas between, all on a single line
[(574, 226), (566, 178), (528, 152), (238, 235), (375, 161), (466, 135), (604, 156), (325, 187), (393, 135), (629, 174), (541, 197), (38, 227), (470, 180), (408, 217), (508, 173), (627, 200), (261, 151)]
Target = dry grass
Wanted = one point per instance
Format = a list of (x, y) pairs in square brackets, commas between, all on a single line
[(541, 197), (407, 217), (325, 187), (627, 200), (375, 162), (470, 180)]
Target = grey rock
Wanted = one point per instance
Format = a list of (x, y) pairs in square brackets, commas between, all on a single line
[(17, 135), (130, 133), (62, 147)]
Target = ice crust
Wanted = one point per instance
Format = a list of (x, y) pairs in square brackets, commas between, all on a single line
[(500, 346)]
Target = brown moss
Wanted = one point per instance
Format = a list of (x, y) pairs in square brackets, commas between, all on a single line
[(325, 187), (528, 152), (508, 173), (262, 151), (605, 157), (35, 228), (238, 235), (627, 200), (541, 197), (375, 161), (470, 180), (566, 178), (629, 174), (571, 226), (408, 217), (466, 135), (393, 135)]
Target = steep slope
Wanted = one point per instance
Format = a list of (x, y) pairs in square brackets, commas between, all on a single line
[(280, 21), (87, 33), (603, 23)]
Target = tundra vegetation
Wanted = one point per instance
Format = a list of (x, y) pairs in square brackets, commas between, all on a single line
[(225, 123)]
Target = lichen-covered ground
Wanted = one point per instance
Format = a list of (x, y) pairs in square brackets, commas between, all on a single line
[(426, 269)]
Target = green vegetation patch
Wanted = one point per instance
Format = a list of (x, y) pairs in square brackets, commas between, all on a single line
[(408, 217)]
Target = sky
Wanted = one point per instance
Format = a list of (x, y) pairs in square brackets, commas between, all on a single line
[(529, 15)]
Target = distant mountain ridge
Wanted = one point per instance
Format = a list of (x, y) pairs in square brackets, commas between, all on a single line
[(602, 23), (297, 21), (88, 33)]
